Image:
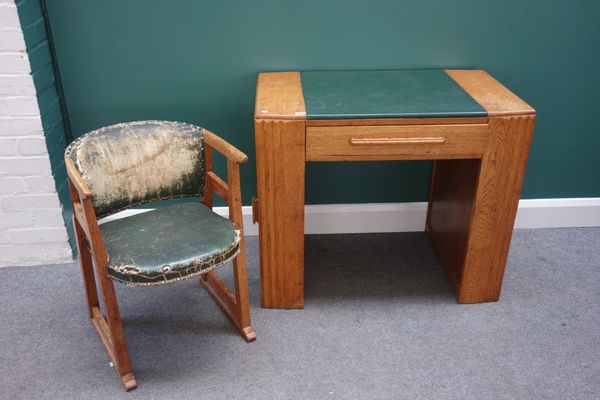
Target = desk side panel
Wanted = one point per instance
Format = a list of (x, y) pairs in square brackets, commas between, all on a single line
[(495, 208), (280, 165), (472, 209)]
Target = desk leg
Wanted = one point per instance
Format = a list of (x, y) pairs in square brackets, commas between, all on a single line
[(472, 208), (280, 160)]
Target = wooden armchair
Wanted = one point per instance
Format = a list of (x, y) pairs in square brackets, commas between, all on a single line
[(128, 164)]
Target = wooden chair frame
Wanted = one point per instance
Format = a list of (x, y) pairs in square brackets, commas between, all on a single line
[(93, 257)]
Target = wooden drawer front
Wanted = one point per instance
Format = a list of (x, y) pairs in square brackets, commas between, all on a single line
[(410, 142)]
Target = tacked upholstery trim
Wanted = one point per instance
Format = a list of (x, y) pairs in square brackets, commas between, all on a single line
[(130, 276)]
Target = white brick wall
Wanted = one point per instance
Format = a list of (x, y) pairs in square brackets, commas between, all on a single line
[(32, 230)]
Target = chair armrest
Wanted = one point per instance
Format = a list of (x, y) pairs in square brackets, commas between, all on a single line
[(229, 151), (75, 177)]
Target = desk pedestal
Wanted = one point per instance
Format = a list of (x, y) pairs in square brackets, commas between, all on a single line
[(472, 208)]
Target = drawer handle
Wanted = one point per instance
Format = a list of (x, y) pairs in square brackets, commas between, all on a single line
[(388, 141)]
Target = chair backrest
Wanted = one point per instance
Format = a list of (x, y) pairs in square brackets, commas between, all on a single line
[(138, 162)]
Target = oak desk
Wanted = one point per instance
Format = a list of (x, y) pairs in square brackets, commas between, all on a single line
[(477, 132)]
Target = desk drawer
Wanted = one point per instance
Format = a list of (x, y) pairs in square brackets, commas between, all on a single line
[(409, 142)]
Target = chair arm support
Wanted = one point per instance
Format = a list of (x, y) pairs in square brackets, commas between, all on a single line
[(234, 194), (229, 151), (217, 185)]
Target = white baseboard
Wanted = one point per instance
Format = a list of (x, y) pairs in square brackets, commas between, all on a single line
[(558, 213), (410, 217)]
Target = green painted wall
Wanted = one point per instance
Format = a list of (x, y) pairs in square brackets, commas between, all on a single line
[(197, 61)]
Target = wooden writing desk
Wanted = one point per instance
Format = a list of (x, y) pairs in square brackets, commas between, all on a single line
[(476, 130)]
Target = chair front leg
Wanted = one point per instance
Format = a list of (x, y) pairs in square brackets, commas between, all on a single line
[(229, 303), (111, 330), (242, 298), (93, 254), (240, 274)]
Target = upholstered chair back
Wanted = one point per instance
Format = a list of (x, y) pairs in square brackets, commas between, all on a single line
[(138, 162)]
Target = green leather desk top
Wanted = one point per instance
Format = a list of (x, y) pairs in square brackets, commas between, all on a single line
[(385, 94)]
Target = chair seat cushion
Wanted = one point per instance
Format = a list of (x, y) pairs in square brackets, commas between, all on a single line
[(168, 244)]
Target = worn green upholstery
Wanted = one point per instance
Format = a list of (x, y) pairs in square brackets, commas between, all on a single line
[(139, 162), (385, 94), (168, 244)]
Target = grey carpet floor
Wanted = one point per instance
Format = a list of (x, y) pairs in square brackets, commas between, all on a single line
[(380, 323)]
